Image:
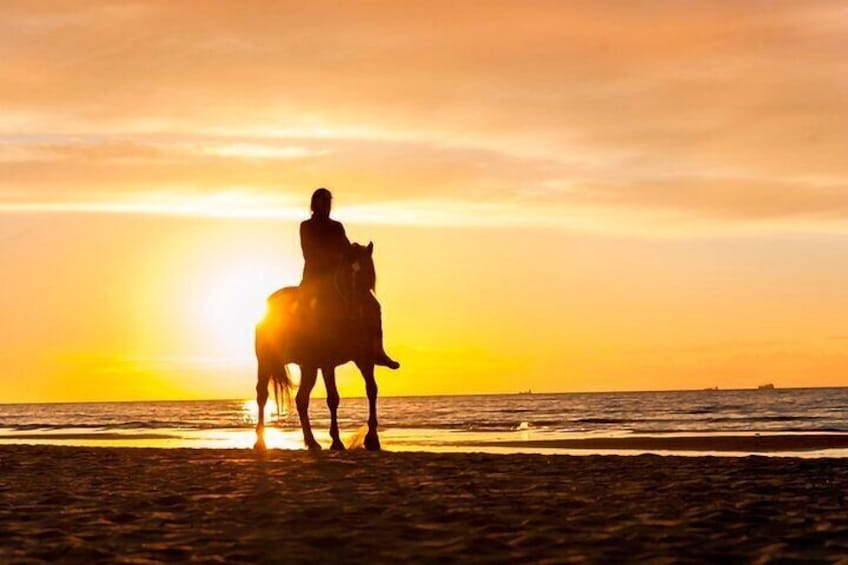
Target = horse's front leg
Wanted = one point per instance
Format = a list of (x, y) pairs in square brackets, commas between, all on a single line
[(308, 376), (262, 378), (372, 439), (333, 404)]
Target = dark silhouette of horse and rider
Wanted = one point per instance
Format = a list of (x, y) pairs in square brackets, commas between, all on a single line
[(332, 318)]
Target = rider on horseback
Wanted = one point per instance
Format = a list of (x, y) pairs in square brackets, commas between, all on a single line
[(325, 245)]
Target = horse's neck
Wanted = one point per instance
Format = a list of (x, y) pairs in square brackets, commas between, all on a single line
[(358, 294)]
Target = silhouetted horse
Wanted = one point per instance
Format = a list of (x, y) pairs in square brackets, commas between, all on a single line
[(289, 335)]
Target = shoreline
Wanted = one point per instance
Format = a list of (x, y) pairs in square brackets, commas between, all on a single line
[(833, 444), (110, 504)]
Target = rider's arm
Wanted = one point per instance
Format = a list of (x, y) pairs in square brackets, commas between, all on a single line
[(344, 242), (306, 244)]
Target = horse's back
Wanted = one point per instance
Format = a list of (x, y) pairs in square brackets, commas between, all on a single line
[(291, 332), (287, 294)]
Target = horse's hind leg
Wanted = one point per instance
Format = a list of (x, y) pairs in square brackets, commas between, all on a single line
[(372, 439), (262, 377), (308, 375), (333, 404)]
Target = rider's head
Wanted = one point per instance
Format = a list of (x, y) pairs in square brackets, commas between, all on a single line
[(322, 201)]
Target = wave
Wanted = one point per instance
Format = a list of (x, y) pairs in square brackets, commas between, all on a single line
[(788, 430), (713, 411), (572, 424)]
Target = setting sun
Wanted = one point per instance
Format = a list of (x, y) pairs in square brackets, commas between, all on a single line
[(234, 302)]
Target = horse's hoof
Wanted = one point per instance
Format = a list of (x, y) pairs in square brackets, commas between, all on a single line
[(260, 439), (372, 442), (313, 445), (337, 445)]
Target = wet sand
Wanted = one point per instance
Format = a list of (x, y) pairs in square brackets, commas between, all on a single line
[(772, 443), (77, 504)]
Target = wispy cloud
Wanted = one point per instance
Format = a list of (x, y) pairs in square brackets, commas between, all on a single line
[(650, 115)]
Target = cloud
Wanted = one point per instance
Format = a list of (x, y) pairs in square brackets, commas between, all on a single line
[(713, 112)]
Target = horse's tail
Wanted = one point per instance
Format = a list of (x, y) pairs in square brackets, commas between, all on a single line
[(282, 390), (273, 343)]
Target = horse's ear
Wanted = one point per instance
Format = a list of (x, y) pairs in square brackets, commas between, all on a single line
[(370, 248)]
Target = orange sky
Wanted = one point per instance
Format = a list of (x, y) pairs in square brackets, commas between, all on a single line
[(564, 196)]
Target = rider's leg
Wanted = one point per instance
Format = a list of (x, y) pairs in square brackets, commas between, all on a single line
[(375, 319)]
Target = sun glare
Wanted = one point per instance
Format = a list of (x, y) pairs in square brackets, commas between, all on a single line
[(233, 303)]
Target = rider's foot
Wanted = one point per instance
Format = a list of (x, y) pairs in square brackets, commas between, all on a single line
[(381, 357), (385, 361)]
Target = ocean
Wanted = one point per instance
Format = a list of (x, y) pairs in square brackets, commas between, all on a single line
[(441, 423)]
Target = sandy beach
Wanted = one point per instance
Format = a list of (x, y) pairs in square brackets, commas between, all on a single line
[(131, 504)]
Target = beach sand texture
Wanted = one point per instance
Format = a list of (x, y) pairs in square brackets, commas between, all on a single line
[(131, 504)]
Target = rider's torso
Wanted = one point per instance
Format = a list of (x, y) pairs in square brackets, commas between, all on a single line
[(324, 243)]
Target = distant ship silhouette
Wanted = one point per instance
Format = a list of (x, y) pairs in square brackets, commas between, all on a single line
[(767, 386)]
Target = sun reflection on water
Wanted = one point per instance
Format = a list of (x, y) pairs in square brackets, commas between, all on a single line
[(250, 412)]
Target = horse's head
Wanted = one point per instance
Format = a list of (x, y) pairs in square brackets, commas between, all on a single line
[(363, 274)]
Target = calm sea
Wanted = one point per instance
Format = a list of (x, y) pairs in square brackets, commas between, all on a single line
[(438, 423)]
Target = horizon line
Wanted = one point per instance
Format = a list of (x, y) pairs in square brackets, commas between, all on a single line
[(440, 395)]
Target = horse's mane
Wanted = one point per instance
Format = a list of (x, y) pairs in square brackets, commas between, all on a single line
[(363, 256), (370, 274)]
